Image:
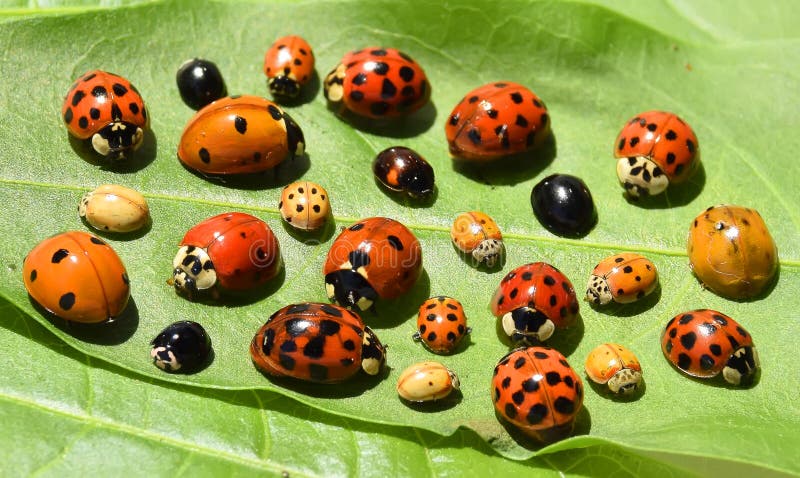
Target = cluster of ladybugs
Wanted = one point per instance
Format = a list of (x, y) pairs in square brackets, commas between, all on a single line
[(78, 277)]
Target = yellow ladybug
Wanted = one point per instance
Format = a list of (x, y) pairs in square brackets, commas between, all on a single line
[(113, 208), (615, 366), (426, 381)]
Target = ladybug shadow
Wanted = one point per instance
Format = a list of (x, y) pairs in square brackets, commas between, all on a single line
[(113, 332), (120, 236), (132, 163), (564, 340), (312, 238), (240, 298), (467, 258), (401, 127), (352, 387), (630, 310), (582, 425), (606, 393), (509, 170), (675, 196), (308, 92), (387, 314), (404, 199), (435, 406), (282, 174)]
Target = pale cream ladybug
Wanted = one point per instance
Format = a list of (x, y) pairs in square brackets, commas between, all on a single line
[(114, 208), (426, 381), (305, 205)]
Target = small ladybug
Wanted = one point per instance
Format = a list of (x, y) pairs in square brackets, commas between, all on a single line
[(536, 390), (288, 64), (441, 324), (305, 205), (239, 135), (108, 109), (496, 120), (732, 252), (378, 83), (404, 170), (564, 205), (199, 83), (623, 278), (321, 343), (615, 366), (234, 252), (532, 301), (476, 233), (181, 347), (77, 276), (375, 257), (426, 382), (703, 343), (114, 208), (655, 149)]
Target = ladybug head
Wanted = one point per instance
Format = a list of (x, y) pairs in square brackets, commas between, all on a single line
[(373, 353), (597, 292), (625, 382), (118, 137), (419, 185), (349, 289), (294, 136), (742, 366), (193, 271), (282, 85), (489, 251), (526, 325), (640, 176)]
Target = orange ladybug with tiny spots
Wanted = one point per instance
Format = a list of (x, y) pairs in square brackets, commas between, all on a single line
[(623, 278), (305, 205), (615, 366), (288, 64), (441, 324)]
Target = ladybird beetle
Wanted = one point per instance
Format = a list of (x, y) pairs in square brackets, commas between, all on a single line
[(321, 343), (625, 277), (181, 347), (378, 83), (532, 301), (564, 205), (77, 276), (496, 120), (476, 233), (426, 382), (655, 149), (615, 366), (703, 343), (200, 82), (239, 135), (375, 257), (108, 109), (731, 251), (305, 205), (404, 170), (536, 390), (114, 208), (232, 251), (441, 324), (288, 64)]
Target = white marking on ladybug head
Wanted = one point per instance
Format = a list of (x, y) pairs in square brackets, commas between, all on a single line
[(84, 203), (193, 270), (364, 303), (625, 381), (371, 365), (330, 290), (164, 359), (488, 251), (597, 292), (334, 91), (454, 380), (641, 176)]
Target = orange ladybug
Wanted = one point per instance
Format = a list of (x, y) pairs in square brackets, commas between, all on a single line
[(239, 135), (77, 276), (476, 233), (305, 205), (441, 324), (426, 382), (623, 278), (108, 109), (288, 64), (731, 251), (615, 366)]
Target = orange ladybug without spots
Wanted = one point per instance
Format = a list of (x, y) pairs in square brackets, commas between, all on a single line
[(288, 64), (476, 233), (731, 251), (305, 205), (239, 135), (441, 324), (615, 366), (77, 276), (624, 278)]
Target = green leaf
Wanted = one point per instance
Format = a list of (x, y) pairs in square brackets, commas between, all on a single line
[(732, 79)]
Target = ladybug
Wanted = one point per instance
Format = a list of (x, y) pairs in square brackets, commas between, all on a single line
[(321, 343), (377, 83), (536, 390), (181, 347), (200, 82), (532, 301), (476, 233), (615, 366), (564, 205), (288, 64), (305, 205), (426, 382), (655, 149), (441, 324), (77, 276), (496, 120), (625, 277), (375, 257), (108, 109), (233, 251), (239, 135), (114, 208), (404, 170), (732, 252), (703, 343)]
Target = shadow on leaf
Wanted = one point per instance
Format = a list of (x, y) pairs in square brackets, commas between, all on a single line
[(509, 170)]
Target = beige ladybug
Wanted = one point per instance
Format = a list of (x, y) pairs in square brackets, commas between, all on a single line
[(426, 381), (305, 205), (114, 208)]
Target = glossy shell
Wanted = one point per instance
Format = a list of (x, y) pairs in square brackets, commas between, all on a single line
[(477, 234), (200, 82), (305, 205), (239, 135), (732, 252), (404, 170), (624, 278), (182, 347), (78, 277), (441, 324), (426, 381), (114, 208), (288, 64), (564, 205), (615, 366)]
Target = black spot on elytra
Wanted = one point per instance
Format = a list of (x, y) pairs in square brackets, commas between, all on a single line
[(552, 378), (59, 255), (453, 119), (685, 319), (518, 397), (406, 73), (472, 99), (688, 340), (706, 362), (388, 90), (94, 113), (564, 405), (431, 337), (511, 411), (627, 269), (540, 355), (684, 361), (530, 385), (395, 242), (315, 347), (381, 68), (516, 97), (204, 155), (66, 301), (521, 121), (671, 135), (359, 79), (519, 362), (33, 275), (356, 227), (474, 135), (536, 414), (83, 122), (240, 123), (715, 349), (634, 141), (289, 346), (275, 112)]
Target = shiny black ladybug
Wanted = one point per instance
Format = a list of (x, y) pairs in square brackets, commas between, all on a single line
[(404, 170), (564, 205), (182, 347), (200, 82)]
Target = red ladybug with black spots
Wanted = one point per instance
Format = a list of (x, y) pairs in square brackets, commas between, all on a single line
[(288, 64), (532, 301)]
